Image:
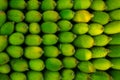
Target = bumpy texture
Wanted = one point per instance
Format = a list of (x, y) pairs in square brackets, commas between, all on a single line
[(59, 39)]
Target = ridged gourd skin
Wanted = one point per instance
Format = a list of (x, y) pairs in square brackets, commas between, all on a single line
[(115, 63), (15, 51), (3, 5), (98, 5), (59, 39), (100, 17), (3, 17), (4, 58), (84, 41), (115, 74), (21, 27), (115, 39), (114, 15), (48, 5), (4, 76), (7, 28), (68, 74), (18, 75), (3, 42), (114, 51), (86, 66), (112, 27), (52, 75), (112, 5), (100, 74), (34, 75), (33, 5), (17, 4), (82, 76)]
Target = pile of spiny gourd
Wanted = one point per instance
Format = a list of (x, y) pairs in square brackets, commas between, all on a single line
[(59, 39)]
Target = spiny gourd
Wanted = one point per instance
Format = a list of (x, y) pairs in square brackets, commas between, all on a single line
[(59, 39)]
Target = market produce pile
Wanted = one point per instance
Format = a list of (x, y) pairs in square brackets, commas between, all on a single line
[(59, 39)]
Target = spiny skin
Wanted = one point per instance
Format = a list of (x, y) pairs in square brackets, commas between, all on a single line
[(83, 54), (4, 58), (98, 5), (66, 37), (53, 16), (16, 38), (3, 5), (33, 16), (115, 14), (112, 27), (18, 76), (4, 77), (86, 66), (80, 28), (3, 42), (36, 64), (82, 16), (19, 65), (115, 39), (3, 17), (82, 76), (33, 5), (99, 52), (111, 5), (102, 64), (34, 28), (33, 40), (21, 27), (15, 51), (67, 49), (98, 75), (15, 15), (64, 25), (52, 75), (67, 74), (114, 51), (101, 40), (53, 64), (69, 62), (5, 69), (64, 4), (7, 28), (49, 27), (48, 5), (51, 51), (100, 17), (17, 4), (95, 29), (84, 41), (34, 75), (49, 39), (115, 74), (81, 4), (115, 63), (33, 52), (66, 14)]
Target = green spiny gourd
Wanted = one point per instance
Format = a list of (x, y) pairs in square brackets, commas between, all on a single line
[(18, 76), (3, 17), (17, 4), (114, 51), (3, 42), (86, 66), (112, 27), (48, 5), (7, 28), (115, 39), (35, 75)]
